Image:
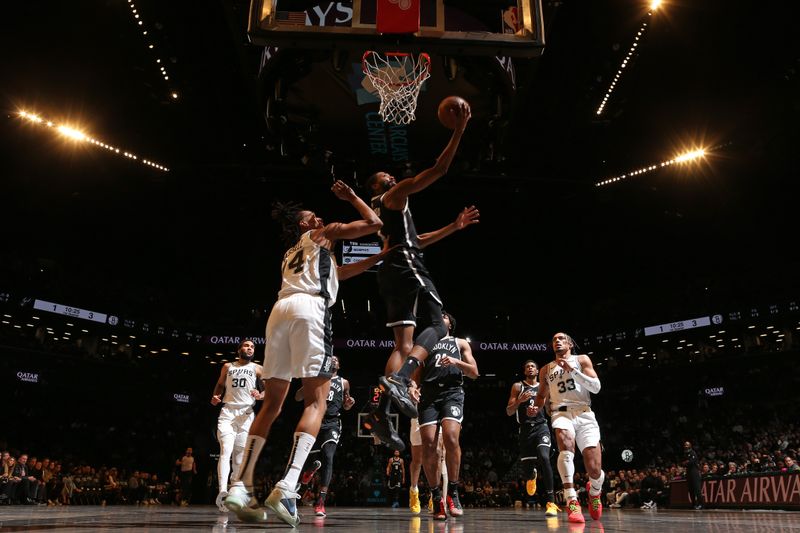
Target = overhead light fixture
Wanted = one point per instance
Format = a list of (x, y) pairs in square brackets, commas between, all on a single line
[(150, 45), (628, 57), (681, 158), (80, 136)]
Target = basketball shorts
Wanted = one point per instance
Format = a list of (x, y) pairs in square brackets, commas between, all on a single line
[(531, 437), (236, 421), (329, 431), (580, 423), (438, 405), (298, 338), (402, 280)]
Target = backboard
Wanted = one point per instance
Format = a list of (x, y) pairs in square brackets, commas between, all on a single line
[(511, 28)]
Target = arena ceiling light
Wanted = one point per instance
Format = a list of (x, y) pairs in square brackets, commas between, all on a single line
[(80, 136), (628, 57), (685, 157), (137, 19)]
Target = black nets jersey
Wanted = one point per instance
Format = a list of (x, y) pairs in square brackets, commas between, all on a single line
[(396, 469), (434, 374), (522, 415), (335, 398), (398, 226)]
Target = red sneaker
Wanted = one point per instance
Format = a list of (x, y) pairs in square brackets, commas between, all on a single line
[(305, 479), (454, 505), (319, 509), (595, 504), (574, 513), (439, 512)]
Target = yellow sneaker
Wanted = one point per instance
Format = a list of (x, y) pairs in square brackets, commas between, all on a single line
[(413, 501), (430, 504), (530, 485), (552, 509)]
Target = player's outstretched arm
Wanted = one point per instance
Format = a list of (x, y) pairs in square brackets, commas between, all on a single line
[(353, 269), (467, 217), (395, 198), (369, 222)]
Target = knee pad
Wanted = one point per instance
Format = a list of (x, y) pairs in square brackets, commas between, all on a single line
[(566, 468)]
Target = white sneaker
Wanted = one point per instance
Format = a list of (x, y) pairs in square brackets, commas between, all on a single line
[(220, 501), (283, 503), (244, 505)]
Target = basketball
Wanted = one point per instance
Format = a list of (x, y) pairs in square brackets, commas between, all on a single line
[(446, 112)]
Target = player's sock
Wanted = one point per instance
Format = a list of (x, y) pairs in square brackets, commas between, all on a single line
[(252, 449), (597, 484), (408, 368), (302, 446)]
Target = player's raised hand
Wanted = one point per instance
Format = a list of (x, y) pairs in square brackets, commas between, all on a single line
[(463, 114), (470, 215), (565, 365), (349, 402), (343, 191)]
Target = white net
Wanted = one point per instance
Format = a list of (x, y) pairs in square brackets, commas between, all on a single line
[(398, 78)]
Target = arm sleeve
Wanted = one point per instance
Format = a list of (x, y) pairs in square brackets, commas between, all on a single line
[(589, 383)]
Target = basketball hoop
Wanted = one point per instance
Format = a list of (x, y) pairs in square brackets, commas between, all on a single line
[(398, 78)]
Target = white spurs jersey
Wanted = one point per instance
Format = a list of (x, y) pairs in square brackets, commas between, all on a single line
[(311, 269), (239, 382), (564, 390)]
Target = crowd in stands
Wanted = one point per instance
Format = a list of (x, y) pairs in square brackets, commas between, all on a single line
[(716, 403), (32, 481)]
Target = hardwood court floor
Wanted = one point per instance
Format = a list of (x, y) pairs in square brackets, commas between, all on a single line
[(383, 520)]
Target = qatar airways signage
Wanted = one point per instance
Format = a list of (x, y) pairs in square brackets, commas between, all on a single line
[(769, 490), (28, 377), (229, 339), (367, 343), (481, 346), (511, 346), (181, 397)]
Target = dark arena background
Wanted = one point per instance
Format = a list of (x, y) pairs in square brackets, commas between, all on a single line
[(635, 166)]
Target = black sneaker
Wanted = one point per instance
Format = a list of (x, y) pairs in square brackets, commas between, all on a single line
[(397, 388), (378, 424)]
